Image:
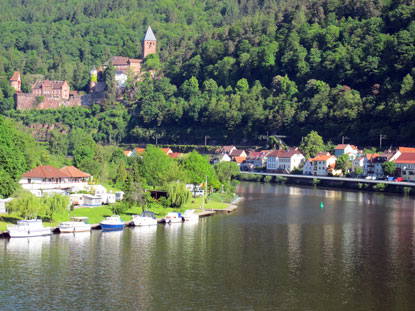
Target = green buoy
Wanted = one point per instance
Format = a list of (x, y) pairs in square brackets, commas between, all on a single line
[(321, 204)]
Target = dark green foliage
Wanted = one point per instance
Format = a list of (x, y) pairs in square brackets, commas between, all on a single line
[(389, 168), (232, 70)]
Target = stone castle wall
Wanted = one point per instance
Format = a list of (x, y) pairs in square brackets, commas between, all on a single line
[(28, 101)]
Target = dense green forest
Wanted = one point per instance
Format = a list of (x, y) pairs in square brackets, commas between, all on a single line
[(231, 70)]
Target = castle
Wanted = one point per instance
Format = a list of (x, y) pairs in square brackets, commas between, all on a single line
[(124, 65), (48, 94)]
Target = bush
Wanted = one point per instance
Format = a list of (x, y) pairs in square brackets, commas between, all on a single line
[(281, 180), (267, 178), (379, 187)]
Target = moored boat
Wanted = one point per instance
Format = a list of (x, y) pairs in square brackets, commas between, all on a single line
[(113, 222), (28, 228), (77, 224), (146, 218), (173, 217), (189, 215)]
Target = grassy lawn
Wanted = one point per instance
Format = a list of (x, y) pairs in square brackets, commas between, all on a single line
[(197, 204)]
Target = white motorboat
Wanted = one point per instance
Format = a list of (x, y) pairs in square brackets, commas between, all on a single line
[(146, 218), (173, 217), (189, 215), (77, 224), (113, 222), (28, 228)]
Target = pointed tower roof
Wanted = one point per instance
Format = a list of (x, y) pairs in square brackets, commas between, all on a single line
[(149, 35)]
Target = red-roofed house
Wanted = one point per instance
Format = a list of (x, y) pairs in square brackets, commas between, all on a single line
[(406, 150), (284, 160), (405, 165), (75, 174), (239, 160), (127, 153), (257, 158), (46, 177), (351, 150), (322, 162)]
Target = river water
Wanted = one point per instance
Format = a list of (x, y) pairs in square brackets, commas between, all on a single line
[(279, 251)]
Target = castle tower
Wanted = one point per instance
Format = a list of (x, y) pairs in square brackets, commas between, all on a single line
[(94, 79), (149, 43), (16, 82)]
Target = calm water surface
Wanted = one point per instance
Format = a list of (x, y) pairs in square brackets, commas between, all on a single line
[(279, 251)]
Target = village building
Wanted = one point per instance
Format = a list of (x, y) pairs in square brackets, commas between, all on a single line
[(48, 178), (256, 159), (368, 164), (321, 165), (308, 167), (382, 158), (284, 161), (350, 150), (405, 166), (45, 94), (237, 153), (125, 66), (358, 162), (226, 149), (221, 158)]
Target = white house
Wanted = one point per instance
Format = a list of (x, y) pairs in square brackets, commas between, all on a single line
[(308, 167), (284, 160), (351, 150), (358, 162), (272, 160), (46, 177), (221, 158), (322, 162)]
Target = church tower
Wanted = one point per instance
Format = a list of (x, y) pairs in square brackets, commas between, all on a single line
[(149, 43)]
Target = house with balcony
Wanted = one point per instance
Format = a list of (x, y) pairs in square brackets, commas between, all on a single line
[(256, 159), (322, 163), (368, 164)]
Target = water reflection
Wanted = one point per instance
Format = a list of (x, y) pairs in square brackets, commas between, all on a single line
[(32, 246), (279, 251)]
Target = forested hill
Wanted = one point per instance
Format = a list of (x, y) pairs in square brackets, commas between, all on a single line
[(229, 69)]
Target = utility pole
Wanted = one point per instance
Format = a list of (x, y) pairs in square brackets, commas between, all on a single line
[(343, 138), (380, 140), (206, 138), (157, 137)]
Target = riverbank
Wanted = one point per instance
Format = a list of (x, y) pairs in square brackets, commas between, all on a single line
[(406, 188), (97, 214)]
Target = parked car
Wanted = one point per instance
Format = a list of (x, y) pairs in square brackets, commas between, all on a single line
[(371, 177), (399, 179)]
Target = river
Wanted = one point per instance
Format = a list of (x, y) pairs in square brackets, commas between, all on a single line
[(279, 251)]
